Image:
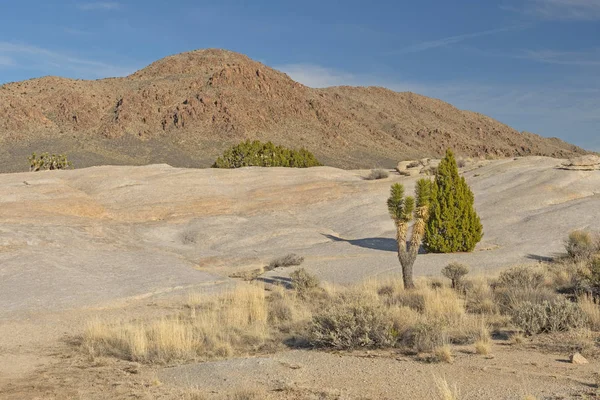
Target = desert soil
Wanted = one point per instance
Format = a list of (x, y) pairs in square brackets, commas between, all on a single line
[(130, 242)]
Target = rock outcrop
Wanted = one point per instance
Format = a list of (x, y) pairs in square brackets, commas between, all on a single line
[(588, 162)]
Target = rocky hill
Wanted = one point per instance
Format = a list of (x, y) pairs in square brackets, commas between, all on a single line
[(185, 109)]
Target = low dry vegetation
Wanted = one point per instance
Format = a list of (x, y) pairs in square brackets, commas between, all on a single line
[(553, 304), (374, 314), (377, 174)]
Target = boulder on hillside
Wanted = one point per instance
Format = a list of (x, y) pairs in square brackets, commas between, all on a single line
[(578, 359), (588, 162), (425, 166)]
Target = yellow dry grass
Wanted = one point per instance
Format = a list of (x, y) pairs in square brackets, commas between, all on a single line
[(483, 345), (591, 311), (217, 327), (444, 353), (445, 390)]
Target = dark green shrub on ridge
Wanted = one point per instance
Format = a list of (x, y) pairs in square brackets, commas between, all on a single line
[(258, 154), (48, 161), (453, 224)]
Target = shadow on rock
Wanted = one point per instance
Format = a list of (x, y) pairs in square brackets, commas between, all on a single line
[(383, 244)]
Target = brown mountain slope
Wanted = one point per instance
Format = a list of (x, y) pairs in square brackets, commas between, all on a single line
[(185, 109)]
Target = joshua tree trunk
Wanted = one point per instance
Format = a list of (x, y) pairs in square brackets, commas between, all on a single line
[(408, 251), (405, 256)]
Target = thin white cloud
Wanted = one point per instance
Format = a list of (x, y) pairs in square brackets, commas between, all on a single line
[(33, 57), (432, 44), (581, 58), (559, 9), (577, 58), (99, 6)]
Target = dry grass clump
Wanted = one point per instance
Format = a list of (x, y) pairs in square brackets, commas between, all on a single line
[(444, 354), (582, 245), (483, 345), (517, 338), (377, 174), (591, 311), (287, 312), (445, 391), (289, 260), (218, 327), (479, 297)]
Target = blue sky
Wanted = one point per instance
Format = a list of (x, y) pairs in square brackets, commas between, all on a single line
[(533, 64)]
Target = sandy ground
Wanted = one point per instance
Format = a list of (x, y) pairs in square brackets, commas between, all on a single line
[(119, 241)]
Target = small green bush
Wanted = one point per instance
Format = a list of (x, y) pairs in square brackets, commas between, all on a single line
[(256, 153), (549, 316), (377, 174), (455, 272), (48, 161)]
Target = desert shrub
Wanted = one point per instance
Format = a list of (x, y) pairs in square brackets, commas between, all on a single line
[(522, 284), (426, 335), (289, 260), (548, 316), (48, 161), (303, 281), (354, 319), (256, 153), (453, 225), (413, 299), (287, 312), (507, 298), (479, 297), (523, 277), (582, 245), (455, 272), (590, 276), (461, 163), (377, 174)]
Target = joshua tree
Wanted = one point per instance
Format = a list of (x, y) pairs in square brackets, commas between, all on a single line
[(402, 210)]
